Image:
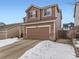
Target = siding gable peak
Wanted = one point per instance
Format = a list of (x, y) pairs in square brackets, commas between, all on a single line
[(32, 6)]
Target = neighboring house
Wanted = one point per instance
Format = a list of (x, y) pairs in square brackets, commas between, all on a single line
[(2, 24), (68, 26), (42, 22), (10, 31), (76, 14)]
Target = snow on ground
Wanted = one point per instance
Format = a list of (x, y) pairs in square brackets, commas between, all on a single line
[(76, 42), (50, 50), (5, 42)]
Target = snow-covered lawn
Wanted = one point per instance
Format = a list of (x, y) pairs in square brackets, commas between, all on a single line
[(8, 41), (50, 50), (76, 43)]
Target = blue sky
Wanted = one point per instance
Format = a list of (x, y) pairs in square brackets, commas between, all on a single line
[(12, 11)]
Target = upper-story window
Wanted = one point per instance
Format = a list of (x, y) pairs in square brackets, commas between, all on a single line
[(33, 13), (47, 12)]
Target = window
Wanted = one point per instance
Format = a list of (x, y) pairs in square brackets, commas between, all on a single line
[(47, 12), (33, 13)]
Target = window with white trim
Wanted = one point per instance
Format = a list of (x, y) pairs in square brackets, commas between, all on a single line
[(47, 12), (33, 13)]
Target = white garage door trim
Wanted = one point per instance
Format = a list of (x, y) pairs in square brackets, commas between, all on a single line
[(43, 26)]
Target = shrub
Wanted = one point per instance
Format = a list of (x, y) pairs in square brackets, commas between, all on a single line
[(73, 33)]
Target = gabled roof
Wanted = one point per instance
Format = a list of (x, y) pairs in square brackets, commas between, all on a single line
[(49, 6), (45, 7)]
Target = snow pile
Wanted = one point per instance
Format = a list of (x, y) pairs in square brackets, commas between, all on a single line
[(8, 41), (50, 50), (77, 44)]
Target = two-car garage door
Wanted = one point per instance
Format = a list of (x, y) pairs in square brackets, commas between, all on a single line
[(37, 33)]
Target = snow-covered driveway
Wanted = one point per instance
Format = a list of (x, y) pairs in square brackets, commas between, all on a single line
[(50, 50), (8, 41)]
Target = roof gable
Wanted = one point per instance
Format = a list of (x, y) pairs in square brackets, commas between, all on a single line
[(32, 6), (45, 7)]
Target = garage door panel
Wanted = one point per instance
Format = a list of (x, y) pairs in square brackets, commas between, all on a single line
[(38, 33)]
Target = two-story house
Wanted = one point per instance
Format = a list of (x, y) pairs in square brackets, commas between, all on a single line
[(76, 14), (42, 22)]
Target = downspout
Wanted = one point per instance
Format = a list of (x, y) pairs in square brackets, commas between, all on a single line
[(54, 32), (19, 32)]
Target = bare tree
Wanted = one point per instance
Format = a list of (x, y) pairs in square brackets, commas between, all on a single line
[(73, 33)]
